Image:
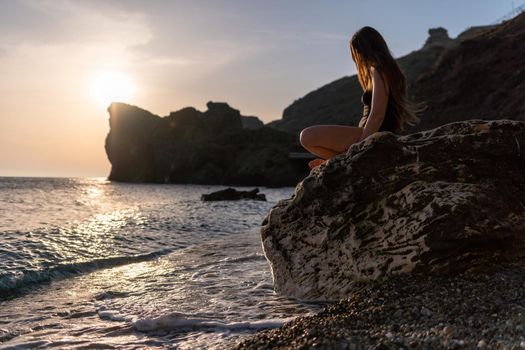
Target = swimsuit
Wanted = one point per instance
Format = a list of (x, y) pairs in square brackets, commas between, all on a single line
[(389, 122)]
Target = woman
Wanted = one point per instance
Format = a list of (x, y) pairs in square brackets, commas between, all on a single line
[(386, 106)]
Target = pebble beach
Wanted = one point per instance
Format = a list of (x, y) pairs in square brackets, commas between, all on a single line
[(469, 311)]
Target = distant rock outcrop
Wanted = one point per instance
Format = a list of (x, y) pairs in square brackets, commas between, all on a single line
[(190, 146), (437, 36), (441, 201), (339, 102)]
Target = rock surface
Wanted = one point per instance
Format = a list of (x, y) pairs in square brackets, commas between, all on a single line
[(440, 202), (190, 146), (482, 77), (231, 194)]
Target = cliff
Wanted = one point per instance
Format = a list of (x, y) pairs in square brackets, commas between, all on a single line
[(482, 77), (218, 146), (478, 74)]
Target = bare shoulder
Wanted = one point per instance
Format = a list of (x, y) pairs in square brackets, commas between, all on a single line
[(379, 77)]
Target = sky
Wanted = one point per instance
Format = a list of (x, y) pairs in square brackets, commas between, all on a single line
[(63, 61)]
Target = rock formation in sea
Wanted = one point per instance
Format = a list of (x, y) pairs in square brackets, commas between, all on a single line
[(218, 146), (478, 74), (231, 194), (437, 202)]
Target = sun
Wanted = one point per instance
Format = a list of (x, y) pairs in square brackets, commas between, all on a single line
[(111, 86)]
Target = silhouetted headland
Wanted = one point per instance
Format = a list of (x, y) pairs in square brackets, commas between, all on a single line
[(218, 146)]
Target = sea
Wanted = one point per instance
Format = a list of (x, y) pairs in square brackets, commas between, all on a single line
[(86, 263)]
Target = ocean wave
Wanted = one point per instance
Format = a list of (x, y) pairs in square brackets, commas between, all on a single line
[(250, 257), (227, 260), (16, 282), (186, 322)]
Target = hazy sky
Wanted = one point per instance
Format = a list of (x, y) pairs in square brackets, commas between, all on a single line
[(57, 57)]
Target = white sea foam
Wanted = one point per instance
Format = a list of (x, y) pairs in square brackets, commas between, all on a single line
[(183, 322)]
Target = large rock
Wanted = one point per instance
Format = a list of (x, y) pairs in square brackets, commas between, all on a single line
[(129, 144), (436, 202), (190, 146), (231, 194)]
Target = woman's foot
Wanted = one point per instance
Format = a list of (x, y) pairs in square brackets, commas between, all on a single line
[(316, 162)]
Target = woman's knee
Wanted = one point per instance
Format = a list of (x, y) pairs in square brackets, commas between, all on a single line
[(307, 136)]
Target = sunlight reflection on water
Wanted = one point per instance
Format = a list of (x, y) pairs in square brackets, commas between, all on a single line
[(158, 266)]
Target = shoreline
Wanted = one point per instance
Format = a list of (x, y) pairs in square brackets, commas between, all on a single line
[(469, 311)]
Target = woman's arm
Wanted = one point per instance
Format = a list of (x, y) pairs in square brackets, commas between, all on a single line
[(379, 104)]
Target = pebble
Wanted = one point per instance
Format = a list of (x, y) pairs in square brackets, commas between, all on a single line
[(482, 344), (425, 311)]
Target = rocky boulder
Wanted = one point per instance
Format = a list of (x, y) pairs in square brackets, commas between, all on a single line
[(190, 146), (442, 201), (231, 194)]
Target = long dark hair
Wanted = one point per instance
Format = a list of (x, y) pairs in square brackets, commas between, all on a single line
[(369, 49)]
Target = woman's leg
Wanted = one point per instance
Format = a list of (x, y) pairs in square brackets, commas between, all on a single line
[(327, 141)]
